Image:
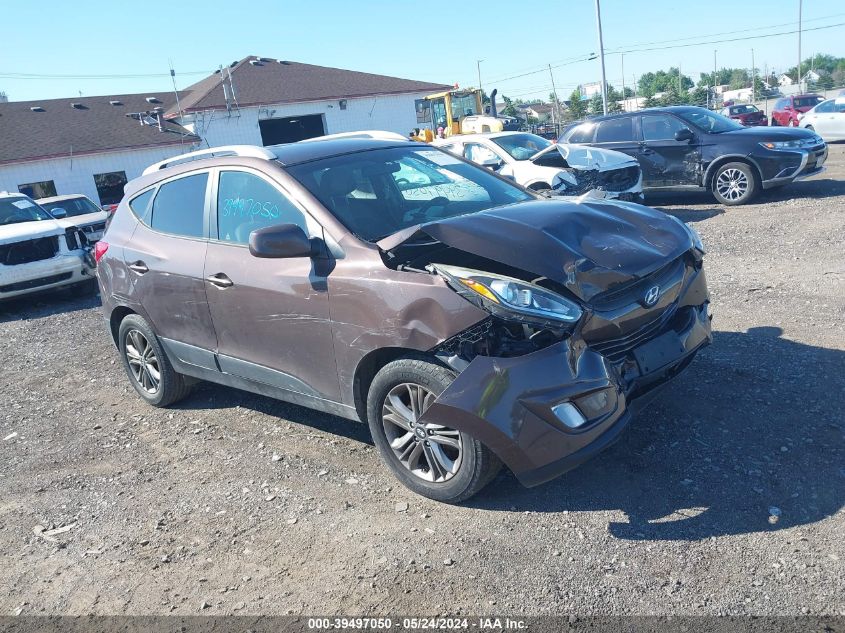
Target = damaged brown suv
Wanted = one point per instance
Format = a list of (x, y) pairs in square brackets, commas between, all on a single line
[(467, 321)]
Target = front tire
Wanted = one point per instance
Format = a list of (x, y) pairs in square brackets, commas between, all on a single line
[(147, 366), (432, 460), (735, 183)]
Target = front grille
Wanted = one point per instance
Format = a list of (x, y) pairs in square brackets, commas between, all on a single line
[(29, 251), (616, 349), (35, 283), (633, 293), (619, 179)]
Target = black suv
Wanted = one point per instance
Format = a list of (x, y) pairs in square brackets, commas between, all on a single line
[(684, 146)]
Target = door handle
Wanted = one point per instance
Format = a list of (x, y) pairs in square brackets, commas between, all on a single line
[(220, 280), (139, 267)]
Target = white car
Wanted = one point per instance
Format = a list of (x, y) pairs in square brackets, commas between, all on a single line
[(37, 252), (77, 210), (827, 119), (562, 169)]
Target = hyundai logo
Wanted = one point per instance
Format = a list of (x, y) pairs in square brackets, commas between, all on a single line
[(651, 296)]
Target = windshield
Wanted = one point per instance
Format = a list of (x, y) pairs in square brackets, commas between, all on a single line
[(17, 210), (806, 102), (709, 121), (379, 192), (73, 207), (521, 146), (744, 109)]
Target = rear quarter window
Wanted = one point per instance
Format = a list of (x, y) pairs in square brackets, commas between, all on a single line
[(140, 205)]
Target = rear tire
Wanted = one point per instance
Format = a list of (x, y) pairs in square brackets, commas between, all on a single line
[(735, 183), (432, 460), (147, 366)]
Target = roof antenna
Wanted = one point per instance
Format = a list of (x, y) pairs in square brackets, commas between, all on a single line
[(175, 91), (225, 90), (232, 88)]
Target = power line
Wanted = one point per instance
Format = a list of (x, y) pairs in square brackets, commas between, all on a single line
[(6, 75)]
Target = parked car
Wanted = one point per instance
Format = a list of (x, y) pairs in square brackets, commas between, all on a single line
[(482, 325), (748, 114), (826, 119), (787, 109), (77, 210), (685, 146), (37, 252), (539, 164)]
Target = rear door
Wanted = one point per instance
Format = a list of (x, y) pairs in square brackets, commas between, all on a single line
[(165, 259), (666, 162), (271, 316)]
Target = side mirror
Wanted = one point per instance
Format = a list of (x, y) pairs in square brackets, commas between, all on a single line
[(281, 241), (58, 213), (684, 134)]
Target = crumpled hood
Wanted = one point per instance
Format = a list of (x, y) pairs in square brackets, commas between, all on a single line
[(584, 157), (21, 231), (589, 247)]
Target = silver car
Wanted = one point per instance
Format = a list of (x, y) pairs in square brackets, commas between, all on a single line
[(827, 119)]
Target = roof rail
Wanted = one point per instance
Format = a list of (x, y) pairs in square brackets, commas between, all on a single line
[(224, 150), (375, 134)]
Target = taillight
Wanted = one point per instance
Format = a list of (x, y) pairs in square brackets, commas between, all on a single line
[(100, 249)]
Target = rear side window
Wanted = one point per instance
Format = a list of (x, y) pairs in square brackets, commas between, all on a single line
[(179, 206), (246, 202), (582, 134), (615, 131)]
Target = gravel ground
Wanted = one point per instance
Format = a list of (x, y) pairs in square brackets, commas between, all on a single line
[(726, 496)]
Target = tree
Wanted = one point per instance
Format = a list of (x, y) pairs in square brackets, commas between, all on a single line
[(596, 104), (613, 99), (819, 63), (628, 93), (661, 81), (838, 77), (509, 109), (650, 102), (577, 108)]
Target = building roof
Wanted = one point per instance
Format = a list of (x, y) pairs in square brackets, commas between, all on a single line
[(263, 81), (83, 125)]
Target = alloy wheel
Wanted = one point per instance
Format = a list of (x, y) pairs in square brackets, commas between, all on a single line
[(429, 451), (732, 184), (143, 361)]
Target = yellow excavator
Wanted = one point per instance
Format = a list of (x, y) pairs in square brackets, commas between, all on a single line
[(460, 112)]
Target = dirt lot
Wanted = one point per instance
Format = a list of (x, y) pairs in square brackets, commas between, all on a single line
[(725, 497)]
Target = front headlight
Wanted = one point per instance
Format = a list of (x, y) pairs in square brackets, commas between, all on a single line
[(506, 296), (797, 143)]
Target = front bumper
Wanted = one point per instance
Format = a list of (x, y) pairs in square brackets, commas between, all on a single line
[(62, 270), (508, 403), (780, 167)]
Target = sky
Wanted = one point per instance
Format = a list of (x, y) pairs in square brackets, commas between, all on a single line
[(59, 48)]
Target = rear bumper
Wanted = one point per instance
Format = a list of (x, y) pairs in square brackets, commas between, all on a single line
[(513, 405), (58, 271)]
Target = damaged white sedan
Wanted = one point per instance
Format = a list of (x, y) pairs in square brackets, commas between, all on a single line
[(38, 253), (558, 169)]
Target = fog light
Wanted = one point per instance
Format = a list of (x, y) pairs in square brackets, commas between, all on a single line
[(595, 403), (569, 414)]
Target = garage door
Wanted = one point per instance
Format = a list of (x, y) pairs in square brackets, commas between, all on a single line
[(291, 129)]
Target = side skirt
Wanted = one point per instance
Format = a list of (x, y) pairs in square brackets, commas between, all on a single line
[(203, 364)]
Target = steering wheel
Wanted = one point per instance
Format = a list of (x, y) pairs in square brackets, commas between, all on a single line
[(14, 218), (434, 202)]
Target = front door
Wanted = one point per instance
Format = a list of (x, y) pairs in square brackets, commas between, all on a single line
[(165, 260), (666, 162), (271, 316)]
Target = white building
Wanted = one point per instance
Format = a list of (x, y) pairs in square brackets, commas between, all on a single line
[(94, 145)]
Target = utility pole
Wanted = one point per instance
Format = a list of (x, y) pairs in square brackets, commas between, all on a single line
[(478, 66), (714, 78), (624, 97), (800, 11), (753, 78), (556, 105), (601, 56)]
